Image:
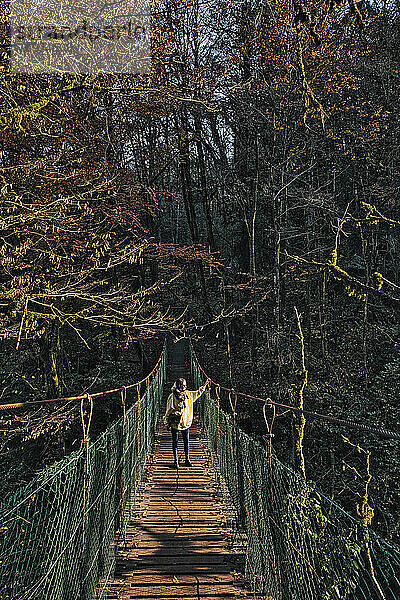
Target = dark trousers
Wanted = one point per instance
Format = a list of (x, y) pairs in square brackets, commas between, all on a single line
[(185, 437)]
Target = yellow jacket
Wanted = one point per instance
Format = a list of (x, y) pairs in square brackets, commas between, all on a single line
[(187, 411)]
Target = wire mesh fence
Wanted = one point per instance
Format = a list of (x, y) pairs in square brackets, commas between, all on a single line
[(58, 533), (300, 545)]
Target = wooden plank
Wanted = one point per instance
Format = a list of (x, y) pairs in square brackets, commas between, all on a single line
[(158, 579), (193, 590), (205, 597), (177, 570), (177, 515), (190, 559), (161, 506), (184, 513), (148, 574), (178, 550)]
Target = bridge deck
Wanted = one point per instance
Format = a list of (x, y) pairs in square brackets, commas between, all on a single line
[(177, 545)]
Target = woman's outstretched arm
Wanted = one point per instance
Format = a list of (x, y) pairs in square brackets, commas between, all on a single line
[(197, 393)]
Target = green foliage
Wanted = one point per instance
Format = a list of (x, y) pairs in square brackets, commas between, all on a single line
[(331, 545)]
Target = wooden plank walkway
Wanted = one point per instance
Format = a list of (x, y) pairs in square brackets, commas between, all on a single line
[(178, 543)]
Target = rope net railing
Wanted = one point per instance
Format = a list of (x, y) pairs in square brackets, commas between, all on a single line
[(300, 545), (58, 533)]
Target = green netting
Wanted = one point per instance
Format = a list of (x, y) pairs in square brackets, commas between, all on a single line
[(300, 545), (58, 533)]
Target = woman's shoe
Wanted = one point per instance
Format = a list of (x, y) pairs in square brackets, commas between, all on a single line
[(188, 463)]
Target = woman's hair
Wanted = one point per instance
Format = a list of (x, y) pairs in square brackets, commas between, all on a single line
[(180, 383), (179, 387)]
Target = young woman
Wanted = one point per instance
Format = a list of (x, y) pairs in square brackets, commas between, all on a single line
[(179, 415)]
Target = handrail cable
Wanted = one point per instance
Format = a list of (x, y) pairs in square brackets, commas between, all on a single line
[(387, 433), (74, 458), (72, 513), (84, 396), (287, 522)]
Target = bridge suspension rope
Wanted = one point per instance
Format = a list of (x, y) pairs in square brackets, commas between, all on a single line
[(58, 532), (268, 402), (120, 389), (297, 542)]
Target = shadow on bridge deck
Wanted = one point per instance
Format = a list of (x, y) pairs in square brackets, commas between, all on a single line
[(178, 542)]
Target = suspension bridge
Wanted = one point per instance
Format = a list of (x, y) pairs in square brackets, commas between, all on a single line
[(114, 521)]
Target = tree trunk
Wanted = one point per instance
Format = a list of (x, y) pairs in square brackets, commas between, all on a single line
[(203, 184), (51, 359), (186, 183)]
